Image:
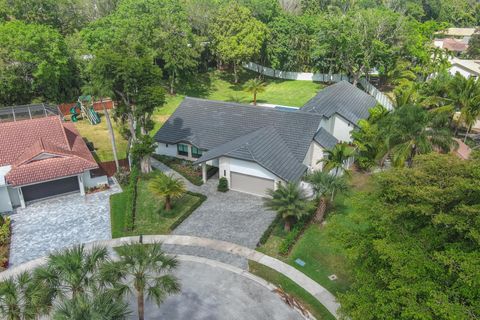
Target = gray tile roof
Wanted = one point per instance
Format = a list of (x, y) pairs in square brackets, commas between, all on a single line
[(264, 146), (343, 98), (325, 139), (260, 134)]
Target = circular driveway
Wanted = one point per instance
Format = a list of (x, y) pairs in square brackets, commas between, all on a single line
[(213, 292)]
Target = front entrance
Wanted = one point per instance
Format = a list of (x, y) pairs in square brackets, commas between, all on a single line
[(50, 189), (250, 184)]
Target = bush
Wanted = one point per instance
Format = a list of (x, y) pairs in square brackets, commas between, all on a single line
[(192, 173), (290, 239), (130, 207), (222, 184), (266, 234), (4, 231), (182, 218), (122, 176)]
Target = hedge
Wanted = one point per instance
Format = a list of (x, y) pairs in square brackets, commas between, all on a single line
[(184, 216), (222, 184), (131, 205), (266, 234)]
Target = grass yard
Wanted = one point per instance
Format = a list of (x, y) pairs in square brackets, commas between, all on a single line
[(150, 218), (281, 281), (218, 85), (99, 135)]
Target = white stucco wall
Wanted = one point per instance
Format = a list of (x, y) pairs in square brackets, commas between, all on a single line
[(464, 72), (90, 182), (5, 203), (166, 149), (315, 154), (342, 128), (14, 197), (227, 165)]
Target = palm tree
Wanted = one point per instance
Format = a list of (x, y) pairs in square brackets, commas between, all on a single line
[(254, 86), (147, 269), (337, 157), (70, 273), (99, 304), (289, 201), (325, 185), (21, 298), (465, 94), (411, 132), (168, 187)]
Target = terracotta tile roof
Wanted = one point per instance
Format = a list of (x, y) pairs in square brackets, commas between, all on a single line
[(454, 45), (42, 149)]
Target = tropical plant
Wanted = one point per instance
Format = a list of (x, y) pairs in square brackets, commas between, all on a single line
[(142, 149), (146, 269), (21, 298), (465, 94), (168, 187), (98, 304), (71, 272), (289, 201), (254, 86), (325, 185), (410, 132), (336, 158)]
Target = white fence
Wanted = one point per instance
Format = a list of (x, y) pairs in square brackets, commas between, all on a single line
[(320, 77)]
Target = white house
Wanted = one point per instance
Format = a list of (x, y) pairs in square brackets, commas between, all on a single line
[(467, 68), (255, 148)]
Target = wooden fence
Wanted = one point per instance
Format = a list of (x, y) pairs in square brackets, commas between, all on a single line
[(320, 77), (65, 107), (109, 168)]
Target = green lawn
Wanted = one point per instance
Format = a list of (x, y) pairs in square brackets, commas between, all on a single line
[(99, 135), (217, 85), (150, 218), (281, 281)]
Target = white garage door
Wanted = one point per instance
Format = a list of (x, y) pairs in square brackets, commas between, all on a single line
[(250, 184)]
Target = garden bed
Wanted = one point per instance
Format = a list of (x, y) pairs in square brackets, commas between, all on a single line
[(151, 218), (5, 236)]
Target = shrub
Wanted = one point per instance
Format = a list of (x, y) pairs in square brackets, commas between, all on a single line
[(222, 184), (182, 218), (4, 231), (122, 176), (266, 234), (130, 207), (192, 173), (290, 239)]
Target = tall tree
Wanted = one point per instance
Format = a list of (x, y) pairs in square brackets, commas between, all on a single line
[(289, 201), (168, 187), (237, 36), (34, 63), (413, 243), (146, 269)]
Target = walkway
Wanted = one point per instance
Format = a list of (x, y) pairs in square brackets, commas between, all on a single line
[(312, 287), (232, 216)]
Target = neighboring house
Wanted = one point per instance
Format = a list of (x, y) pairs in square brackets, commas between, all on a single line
[(255, 148), (457, 32), (467, 68), (452, 45), (41, 158)]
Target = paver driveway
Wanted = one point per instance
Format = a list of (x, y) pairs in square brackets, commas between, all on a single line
[(232, 216), (60, 222)]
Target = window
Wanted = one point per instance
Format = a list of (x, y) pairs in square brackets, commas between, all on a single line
[(196, 153), (182, 149)]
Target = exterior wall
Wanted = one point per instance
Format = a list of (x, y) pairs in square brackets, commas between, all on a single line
[(162, 149), (314, 155), (228, 165), (341, 129), (14, 197), (463, 71), (5, 203), (90, 182), (327, 124)]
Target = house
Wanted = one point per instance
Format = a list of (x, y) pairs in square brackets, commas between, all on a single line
[(452, 45), (467, 68), (255, 147), (457, 32), (41, 158)]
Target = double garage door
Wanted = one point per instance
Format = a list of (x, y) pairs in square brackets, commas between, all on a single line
[(250, 184), (50, 189)]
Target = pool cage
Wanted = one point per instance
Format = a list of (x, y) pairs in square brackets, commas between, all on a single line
[(25, 112)]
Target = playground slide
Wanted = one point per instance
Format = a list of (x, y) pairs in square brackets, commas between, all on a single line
[(94, 118)]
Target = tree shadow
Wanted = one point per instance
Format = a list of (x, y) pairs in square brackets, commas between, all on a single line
[(199, 86)]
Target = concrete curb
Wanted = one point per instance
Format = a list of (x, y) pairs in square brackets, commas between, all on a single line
[(326, 298)]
